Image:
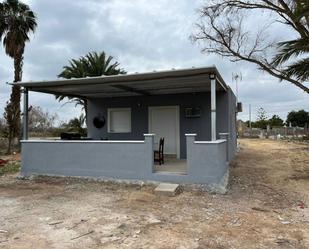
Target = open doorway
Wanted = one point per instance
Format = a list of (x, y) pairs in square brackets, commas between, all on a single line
[(164, 123)]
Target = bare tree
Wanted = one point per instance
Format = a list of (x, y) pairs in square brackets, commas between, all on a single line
[(3, 127), (223, 29), (39, 120)]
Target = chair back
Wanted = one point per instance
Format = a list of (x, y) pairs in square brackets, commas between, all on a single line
[(161, 145)]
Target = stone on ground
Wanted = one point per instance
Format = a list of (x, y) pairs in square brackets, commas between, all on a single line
[(168, 189)]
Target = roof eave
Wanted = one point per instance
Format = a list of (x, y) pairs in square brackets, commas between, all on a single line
[(122, 80), (127, 77)]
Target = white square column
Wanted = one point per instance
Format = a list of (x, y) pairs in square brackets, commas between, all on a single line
[(213, 107)]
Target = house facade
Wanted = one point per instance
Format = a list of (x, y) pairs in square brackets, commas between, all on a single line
[(194, 110), (169, 116)]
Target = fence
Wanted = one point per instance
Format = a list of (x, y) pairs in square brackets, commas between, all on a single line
[(275, 131)]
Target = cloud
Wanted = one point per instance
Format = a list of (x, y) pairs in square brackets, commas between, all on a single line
[(143, 35)]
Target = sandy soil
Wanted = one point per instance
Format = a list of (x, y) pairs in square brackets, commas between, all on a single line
[(266, 207)]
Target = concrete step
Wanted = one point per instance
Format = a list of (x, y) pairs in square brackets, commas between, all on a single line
[(168, 189)]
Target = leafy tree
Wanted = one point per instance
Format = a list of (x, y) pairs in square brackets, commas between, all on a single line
[(2, 123), (91, 65), (275, 121), (76, 125), (298, 118), (16, 22), (262, 121), (222, 30), (261, 114)]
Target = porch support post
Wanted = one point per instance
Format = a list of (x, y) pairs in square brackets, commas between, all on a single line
[(25, 114), (213, 106), (226, 136)]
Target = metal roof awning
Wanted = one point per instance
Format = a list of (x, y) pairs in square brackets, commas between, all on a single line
[(153, 83)]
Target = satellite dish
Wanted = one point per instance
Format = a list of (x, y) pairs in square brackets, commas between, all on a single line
[(98, 122)]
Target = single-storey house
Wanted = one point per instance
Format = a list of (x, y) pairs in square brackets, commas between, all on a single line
[(194, 110)]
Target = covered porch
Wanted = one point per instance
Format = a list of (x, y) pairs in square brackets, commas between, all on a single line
[(125, 151)]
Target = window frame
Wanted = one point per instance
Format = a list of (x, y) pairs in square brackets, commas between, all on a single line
[(110, 110)]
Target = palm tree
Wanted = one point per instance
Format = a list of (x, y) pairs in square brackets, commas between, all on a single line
[(297, 47), (16, 22), (76, 125), (91, 65)]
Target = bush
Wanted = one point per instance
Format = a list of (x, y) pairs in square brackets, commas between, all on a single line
[(10, 168)]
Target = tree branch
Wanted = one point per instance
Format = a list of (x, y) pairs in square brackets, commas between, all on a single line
[(221, 31)]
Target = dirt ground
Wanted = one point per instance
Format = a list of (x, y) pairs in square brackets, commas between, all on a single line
[(266, 207)]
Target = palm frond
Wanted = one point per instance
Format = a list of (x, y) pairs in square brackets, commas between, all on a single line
[(301, 9), (290, 49), (16, 22), (299, 70), (91, 65)]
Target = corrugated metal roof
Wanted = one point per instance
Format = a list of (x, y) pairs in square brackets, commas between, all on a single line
[(151, 83)]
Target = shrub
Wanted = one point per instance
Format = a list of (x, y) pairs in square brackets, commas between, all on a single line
[(10, 168)]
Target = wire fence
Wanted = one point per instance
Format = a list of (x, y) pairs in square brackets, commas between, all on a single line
[(274, 132)]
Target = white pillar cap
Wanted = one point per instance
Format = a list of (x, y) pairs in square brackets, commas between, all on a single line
[(224, 134), (191, 135), (149, 135)]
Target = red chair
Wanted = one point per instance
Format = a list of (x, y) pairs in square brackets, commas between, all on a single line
[(3, 162), (158, 154)]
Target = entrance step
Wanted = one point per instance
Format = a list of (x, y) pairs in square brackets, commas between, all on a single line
[(168, 189)]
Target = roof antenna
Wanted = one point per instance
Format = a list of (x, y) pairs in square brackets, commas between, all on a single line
[(236, 77)]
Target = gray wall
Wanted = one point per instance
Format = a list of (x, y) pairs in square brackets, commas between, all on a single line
[(126, 160), (139, 111), (121, 160), (206, 160), (232, 124)]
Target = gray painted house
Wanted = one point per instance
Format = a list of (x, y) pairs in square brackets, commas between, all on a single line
[(193, 109)]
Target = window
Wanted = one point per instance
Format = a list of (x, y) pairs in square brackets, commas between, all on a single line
[(119, 120)]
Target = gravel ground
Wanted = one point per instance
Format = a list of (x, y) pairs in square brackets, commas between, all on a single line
[(266, 207)]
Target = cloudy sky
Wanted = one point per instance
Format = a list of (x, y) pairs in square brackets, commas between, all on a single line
[(143, 35)]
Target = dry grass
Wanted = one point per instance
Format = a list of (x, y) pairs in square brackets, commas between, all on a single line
[(10, 168), (262, 209)]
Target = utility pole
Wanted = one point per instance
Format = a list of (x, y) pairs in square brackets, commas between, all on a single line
[(250, 127)]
